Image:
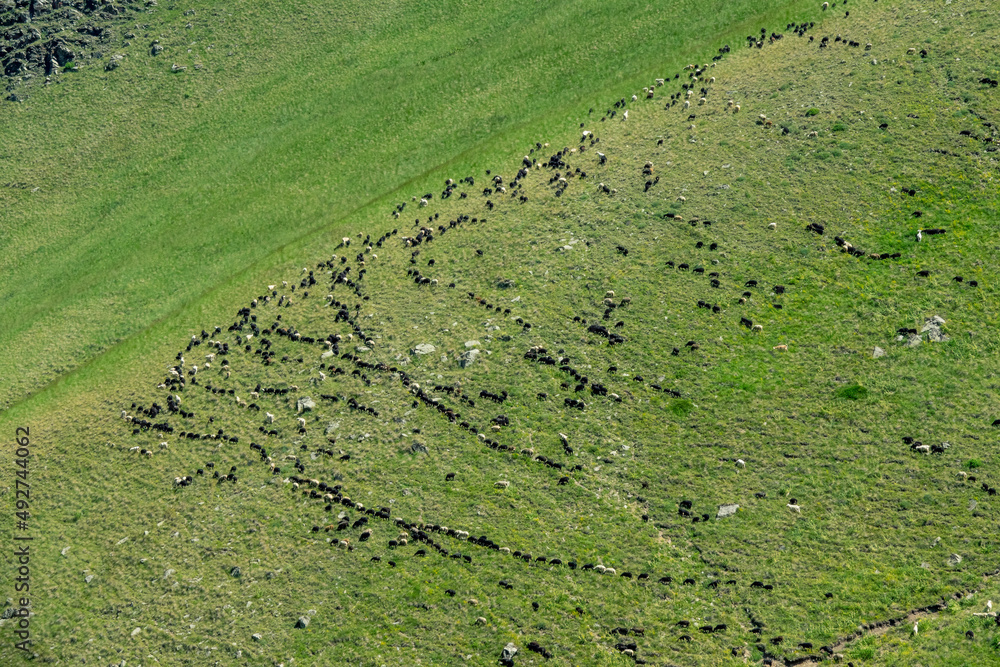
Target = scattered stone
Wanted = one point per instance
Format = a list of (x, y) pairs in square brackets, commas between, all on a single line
[(480, 621), (466, 358), (913, 340), (331, 427), (972, 505), (156, 50), (726, 510), (65, 550), (177, 68), (932, 327), (508, 653), (418, 448), (424, 348), (878, 352), (472, 343), (89, 578), (303, 622), (954, 559), (235, 572), (362, 348), (136, 631), (256, 637), (114, 62), (505, 283), (326, 355), (304, 403)]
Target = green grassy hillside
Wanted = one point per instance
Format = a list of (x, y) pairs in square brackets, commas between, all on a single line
[(622, 389), (142, 188)]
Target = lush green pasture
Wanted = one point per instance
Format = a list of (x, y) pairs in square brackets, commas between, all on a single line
[(128, 195), (821, 421)]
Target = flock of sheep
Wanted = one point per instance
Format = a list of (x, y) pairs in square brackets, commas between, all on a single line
[(265, 328)]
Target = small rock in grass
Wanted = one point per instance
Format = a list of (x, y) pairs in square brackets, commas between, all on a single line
[(726, 510)]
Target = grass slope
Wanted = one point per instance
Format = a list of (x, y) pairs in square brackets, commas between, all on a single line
[(821, 422), (140, 189)]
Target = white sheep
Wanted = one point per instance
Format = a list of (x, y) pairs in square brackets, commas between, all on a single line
[(797, 508), (502, 484), (826, 6), (634, 98), (268, 418), (625, 116), (741, 463), (702, 100), (687, 104), (736, 109), (758, 328), (772, 226)]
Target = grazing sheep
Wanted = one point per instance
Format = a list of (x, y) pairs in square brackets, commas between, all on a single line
[(758, 328), (268, 418), (780, 348), (502, 484), (795, 507), (773, 226)]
